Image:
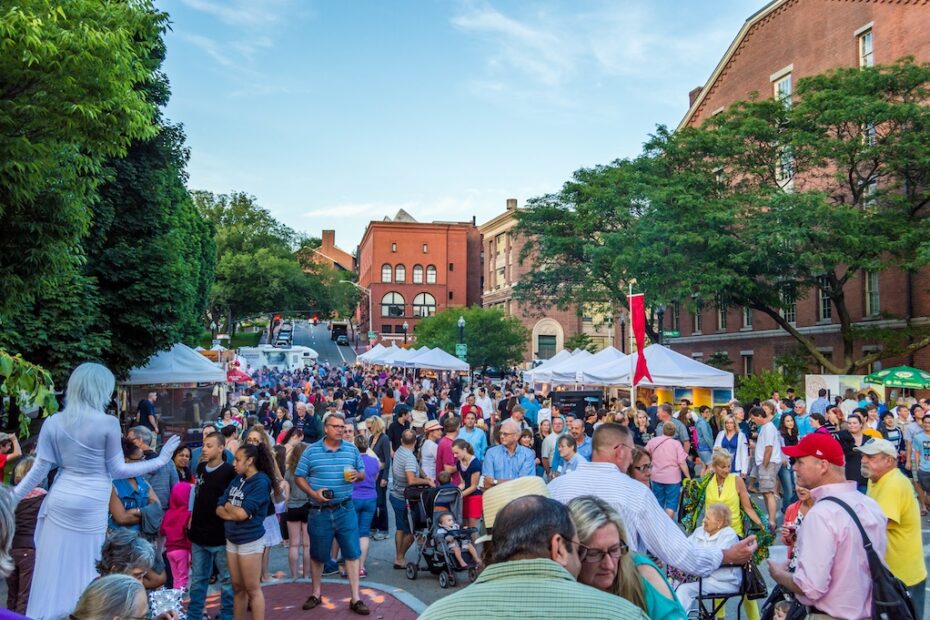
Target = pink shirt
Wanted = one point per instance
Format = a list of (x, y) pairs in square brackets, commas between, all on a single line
[(667, 455), (832, 568), (445, 457)]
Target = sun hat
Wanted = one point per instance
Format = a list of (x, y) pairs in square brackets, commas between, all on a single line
[(495, 498), (432, 425), (819, 444)]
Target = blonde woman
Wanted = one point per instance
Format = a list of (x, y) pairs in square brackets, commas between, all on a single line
[(608, 564), (736, 444), (381, 446)]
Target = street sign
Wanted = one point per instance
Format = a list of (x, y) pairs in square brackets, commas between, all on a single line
[(671, 333), (461, 350), (372, 335)]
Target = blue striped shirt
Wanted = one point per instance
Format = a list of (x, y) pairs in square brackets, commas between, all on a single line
[(323, 468), (498, 463)]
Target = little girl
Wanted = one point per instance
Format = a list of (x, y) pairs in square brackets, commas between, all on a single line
[(174, 529), (450, 531)]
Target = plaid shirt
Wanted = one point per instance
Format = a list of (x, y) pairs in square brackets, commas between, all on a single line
[(531, 589)]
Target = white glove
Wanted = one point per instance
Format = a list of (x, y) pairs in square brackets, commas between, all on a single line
[(167, 451)]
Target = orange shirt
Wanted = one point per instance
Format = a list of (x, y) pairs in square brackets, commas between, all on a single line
[(387, 405)]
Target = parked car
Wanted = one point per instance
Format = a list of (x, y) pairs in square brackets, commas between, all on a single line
[(342, 340)]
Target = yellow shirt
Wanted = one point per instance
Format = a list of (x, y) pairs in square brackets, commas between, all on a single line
[(730, 497), (905, 552)]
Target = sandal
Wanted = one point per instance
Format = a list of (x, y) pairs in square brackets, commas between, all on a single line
[(359, 607), (400, 567), (311, 602), (362, 573)]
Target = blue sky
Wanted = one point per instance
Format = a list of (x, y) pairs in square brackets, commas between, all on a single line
[(336, 113)]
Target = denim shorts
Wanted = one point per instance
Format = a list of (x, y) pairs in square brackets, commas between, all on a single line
[(365, 509), (340, 523), (667, 494), (400, 514), (252, 548)]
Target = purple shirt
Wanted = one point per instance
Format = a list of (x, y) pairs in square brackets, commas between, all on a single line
[(365, 489), (832, 567)]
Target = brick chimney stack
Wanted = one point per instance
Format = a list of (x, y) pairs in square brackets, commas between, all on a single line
[(328, 239), (694, 94), (511, 204)]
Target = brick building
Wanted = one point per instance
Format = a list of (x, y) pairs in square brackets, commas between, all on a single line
[(331, 255), (502, 271), (783, 42), (415, 269)]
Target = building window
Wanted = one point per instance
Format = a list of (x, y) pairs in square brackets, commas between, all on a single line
[(747, 317), (872, 299), (425, 248), (499, 241), (501, 277), (783, 90), (721, 318), (431, 274), (676, 317), (418, 274), (386, 272), (400, 273), (451, 266), (424, 304), (545, 347), (747, 365), (393, 247), (825, 305), (789, 309), (386, 329), (865, 49), (392, 304), (784, 168), (450, 294), (697, 322)]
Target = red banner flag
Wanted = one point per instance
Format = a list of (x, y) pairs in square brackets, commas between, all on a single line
[(638, 320)]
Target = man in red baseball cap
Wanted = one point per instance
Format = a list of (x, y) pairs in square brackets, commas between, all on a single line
[(832, 574)]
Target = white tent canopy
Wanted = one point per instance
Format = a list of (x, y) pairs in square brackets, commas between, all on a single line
[(558, 358), (416, 354), (398, 357), (385, 353), (545, 375), (218, 347), (370, 353), (437, 359), (571, 370), (180, 364), (668, 369)]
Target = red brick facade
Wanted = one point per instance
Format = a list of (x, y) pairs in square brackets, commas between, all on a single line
[(332, 255), (802, 38), (404, 262)]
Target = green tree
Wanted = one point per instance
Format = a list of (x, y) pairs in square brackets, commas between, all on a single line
[(721, 360), (493, 338), (760, 386), (581, 341)]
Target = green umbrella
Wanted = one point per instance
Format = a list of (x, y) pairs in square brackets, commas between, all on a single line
[(900, 376)]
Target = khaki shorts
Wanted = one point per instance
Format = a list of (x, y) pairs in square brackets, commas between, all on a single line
[(768, 477)]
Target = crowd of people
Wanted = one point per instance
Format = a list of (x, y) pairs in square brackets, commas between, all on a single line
[(628, 510)]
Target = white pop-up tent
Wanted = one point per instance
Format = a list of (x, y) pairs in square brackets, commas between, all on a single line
[(415, 354), (398, 357), (667, 368), (545, 375), (370, 353), (558, 358), (437, 359), (179, 364), (387, 352), (572, 370)]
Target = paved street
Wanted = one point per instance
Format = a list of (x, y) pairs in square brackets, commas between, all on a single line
[(305, 334)]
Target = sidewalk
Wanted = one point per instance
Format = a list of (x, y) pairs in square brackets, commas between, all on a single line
[(284, 600)]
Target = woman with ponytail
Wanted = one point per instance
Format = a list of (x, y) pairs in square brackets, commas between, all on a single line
[(244, 507)]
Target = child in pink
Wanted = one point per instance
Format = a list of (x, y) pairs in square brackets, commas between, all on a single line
[(174, 529)]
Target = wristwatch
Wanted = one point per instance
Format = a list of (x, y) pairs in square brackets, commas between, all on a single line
[(494, 482)]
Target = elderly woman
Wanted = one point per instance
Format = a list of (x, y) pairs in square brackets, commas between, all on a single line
[(608, 564), (115, 597), (641, 466), (125, 552), (714, 532)]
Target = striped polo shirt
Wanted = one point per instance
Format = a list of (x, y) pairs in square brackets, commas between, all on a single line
[(323, 468)]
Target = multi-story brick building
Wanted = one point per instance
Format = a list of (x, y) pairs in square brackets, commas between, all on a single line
[(331, 255), (415, 269), (783, 42), (502, 271)]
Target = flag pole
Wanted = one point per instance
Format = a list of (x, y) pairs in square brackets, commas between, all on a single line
[(629, 304)]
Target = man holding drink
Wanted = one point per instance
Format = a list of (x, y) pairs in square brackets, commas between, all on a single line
[(326, 472)]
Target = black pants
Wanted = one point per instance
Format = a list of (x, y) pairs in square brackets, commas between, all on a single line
[(380, 521)]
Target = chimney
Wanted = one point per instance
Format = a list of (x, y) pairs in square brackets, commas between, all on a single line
[(511, 204), (328, 239), (694, 94)]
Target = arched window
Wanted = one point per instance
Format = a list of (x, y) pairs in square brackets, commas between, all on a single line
[(424, 304), (431, 274), (386, 272), (418, 274), (400, 273), (392, 304)]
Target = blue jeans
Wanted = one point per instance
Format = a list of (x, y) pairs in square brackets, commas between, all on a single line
[(918, 593), (786, 479), (326, 524), (667, 494), (365, 509), (202, 559)]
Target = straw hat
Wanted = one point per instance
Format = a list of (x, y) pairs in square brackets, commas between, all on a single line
[(432, 425), (497, 497)]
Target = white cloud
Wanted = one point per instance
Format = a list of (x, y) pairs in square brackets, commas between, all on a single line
[(249, 13), (210, 47), (375, 210)]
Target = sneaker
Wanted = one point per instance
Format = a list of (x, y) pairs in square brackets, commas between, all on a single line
[(330, 568), (359, 607), (362, 573), (311, 602)]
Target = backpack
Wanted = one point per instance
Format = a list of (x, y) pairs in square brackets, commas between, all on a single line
[(890, 600)]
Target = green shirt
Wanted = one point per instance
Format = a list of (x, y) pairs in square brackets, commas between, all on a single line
[(531, 589)]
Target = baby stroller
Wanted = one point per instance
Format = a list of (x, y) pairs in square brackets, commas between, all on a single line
[(432, 554)]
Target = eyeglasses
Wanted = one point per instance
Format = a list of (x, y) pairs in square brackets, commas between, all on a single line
[(339, 426), (591, 555), (644, 468)]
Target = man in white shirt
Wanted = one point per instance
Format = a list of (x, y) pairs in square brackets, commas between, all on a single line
[(548, 445), (487, 404), (648, 527), (768, 458)]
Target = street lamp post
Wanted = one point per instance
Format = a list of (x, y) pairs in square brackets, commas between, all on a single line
[(623, 333), (367, 291), (213, 330), (406, 327), (461, 330), (660, 312)]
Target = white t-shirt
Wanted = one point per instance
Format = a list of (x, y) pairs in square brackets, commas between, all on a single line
[(487, 406), (543, 414), (428, 458), (768, 436)]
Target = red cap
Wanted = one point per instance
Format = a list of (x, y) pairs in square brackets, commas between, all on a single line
[(821, 445)]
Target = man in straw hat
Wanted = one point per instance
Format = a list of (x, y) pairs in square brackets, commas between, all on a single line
[(648, 526), (533, 563)]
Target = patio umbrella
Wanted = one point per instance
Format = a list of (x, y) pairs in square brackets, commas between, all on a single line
[(237, 376), (900, 376)]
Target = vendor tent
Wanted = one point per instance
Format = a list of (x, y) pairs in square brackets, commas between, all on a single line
[(372, 352), (545, 375), (437, 359), (381, 356), (180, 364), (398, 357), (416, 354), (668, 369), (558, 358), (571, 370), (218, 347)]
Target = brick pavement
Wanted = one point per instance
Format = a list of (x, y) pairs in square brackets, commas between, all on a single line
[(284, 600)]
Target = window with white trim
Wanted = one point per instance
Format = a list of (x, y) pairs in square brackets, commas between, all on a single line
[(400, 273), (697, 322), (392, 304), (866, 48), (789, 309), (418, 274), (431, 274), (782, 87), (387, 272), (825, 304), (747, 317), (747, 365), (676, 317), (872, 297), (424, 305), (722, 318)]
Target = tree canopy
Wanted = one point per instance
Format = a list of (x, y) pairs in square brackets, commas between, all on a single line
[(493, 338), (757, 207)]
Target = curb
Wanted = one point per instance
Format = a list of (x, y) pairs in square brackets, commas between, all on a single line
[(400, 594)]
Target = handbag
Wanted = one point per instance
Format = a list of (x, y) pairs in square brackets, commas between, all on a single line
[(796, 611), (754, 586)]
